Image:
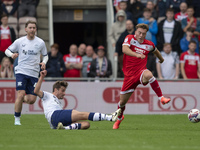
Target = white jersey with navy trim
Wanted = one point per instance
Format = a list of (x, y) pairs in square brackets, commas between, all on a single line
[(29, 55), (50, 104)]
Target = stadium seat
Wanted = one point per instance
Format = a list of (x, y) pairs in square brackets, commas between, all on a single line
[(12, 21), (23, 20), (22, 32)]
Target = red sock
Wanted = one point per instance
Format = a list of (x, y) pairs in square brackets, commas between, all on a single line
[(122, 108), (155, 86)]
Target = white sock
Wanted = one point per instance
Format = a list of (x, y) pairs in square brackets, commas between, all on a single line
[(108, 117), (73, 126), (99, 117)]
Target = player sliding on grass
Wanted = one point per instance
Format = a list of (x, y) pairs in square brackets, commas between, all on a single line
[(66, 119), (136, 49)]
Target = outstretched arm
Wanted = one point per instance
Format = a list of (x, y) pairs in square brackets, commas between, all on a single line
[(158, 55), (39, 83)]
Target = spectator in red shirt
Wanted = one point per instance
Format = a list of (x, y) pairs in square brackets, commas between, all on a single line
[(73, 62), (191, 21), (190, 63), (7, 35), (183, 13)]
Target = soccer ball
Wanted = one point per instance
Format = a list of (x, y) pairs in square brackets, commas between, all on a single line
[(194, 115)]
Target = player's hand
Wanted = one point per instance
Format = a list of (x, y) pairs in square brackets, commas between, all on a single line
[(161, 60), (15, 55), (142, 56), (151, 19), (43, 66), (43, 73)]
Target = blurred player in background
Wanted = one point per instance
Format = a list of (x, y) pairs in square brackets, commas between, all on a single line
[(136, 49), (28, 48), (66, 119)]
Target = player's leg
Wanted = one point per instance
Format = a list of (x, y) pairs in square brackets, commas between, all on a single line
[(31, 97), (129, 85), (147, 77), (74, 126), (94, 116), (123, 100), (21, 82), (18, 106), (70, 119)]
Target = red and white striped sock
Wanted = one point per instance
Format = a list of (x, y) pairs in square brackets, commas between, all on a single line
[(155, 86)]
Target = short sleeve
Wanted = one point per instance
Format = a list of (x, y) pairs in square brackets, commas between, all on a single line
[(43, 49), (198, 59), (14, 47), (182, 58), (127, 40), (45, 95)]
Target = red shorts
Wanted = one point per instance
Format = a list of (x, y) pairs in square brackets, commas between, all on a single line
[(131, 82)]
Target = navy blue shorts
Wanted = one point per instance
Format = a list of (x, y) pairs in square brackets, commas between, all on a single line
[(63, 116), (27, 83)]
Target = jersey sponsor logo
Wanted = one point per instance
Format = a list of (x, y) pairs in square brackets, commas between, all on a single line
[(140, 51), (24, 51), (29, 52)]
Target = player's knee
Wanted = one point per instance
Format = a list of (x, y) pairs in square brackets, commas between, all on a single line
[(85, 125), (147, 75), (31, 101), (20, 96)]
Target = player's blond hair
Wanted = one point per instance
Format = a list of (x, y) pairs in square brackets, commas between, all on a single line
[(143, 26), (57, 85)]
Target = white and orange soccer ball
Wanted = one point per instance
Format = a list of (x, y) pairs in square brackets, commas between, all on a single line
[(194, 115)]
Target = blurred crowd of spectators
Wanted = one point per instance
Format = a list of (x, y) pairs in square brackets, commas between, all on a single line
[(174, 28)]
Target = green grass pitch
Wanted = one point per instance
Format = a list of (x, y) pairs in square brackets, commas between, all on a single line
[(137, 132)]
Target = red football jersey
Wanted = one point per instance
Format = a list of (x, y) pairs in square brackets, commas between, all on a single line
[(133, 65), (191, 64), (5, 40), (180, 16), (70, 59)]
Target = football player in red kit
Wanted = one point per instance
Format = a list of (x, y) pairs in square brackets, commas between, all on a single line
[(136, 49)]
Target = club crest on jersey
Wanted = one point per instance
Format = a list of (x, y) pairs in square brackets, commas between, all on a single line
[(36, 46)]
